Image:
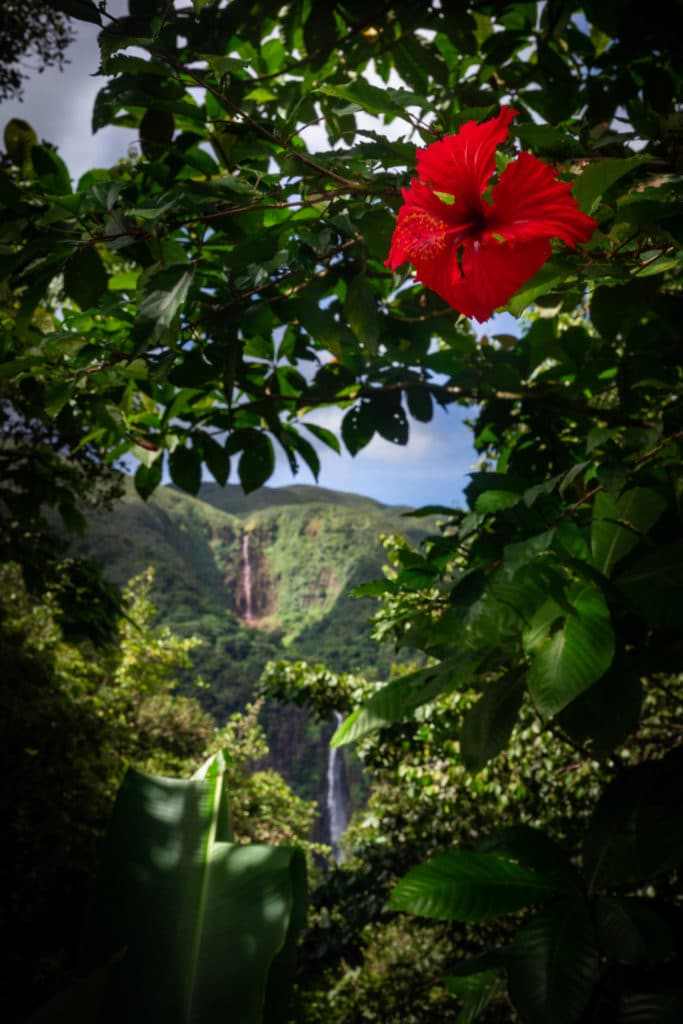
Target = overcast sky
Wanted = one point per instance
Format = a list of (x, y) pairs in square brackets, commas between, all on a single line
[(431, 469)]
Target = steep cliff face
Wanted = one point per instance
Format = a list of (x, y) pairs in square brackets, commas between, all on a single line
[(256, 593)]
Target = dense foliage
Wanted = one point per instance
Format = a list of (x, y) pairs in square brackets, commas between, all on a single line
[(196, 304), (74, 717)]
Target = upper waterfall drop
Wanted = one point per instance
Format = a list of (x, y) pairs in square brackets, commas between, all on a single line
[(246, 580)]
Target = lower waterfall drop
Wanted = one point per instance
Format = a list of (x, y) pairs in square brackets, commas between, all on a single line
[(246, 579), (337, 796)]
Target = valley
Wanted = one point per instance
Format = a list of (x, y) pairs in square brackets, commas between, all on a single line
[(259, 577)]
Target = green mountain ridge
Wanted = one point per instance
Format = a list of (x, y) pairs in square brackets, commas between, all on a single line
[(307, 547)]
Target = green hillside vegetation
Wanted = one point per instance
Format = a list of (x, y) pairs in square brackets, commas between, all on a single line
[(308, 548)]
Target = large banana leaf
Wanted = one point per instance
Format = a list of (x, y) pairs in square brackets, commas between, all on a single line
[(186, 927)]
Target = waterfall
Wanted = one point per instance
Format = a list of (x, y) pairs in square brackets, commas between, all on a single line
[(246, 579), (337, 802)]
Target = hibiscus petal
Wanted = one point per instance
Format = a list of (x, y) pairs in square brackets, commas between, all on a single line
[(462, 164), (425, 228), (529, 202), (491, 274)]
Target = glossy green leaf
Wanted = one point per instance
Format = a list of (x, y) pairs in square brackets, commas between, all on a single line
[(532, 848), (397, 701), (186, 468), (619, 523), (51, 170), (636, 831), (19, 138), (189, 926), (465, 886), (632, 932), (257, 462), (358, 427), (368, 97), (216, 458), (594, 181), (360, 307), (608, 712), (389, 418), (160, 294), (553, 964), (570, 647), (654, 585), (324, 435), (420, 405), (85, 279), (156, 132), (663, 1007), (487, 725), (148, 478), (477, 991)]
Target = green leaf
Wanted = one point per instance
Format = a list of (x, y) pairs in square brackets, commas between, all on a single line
[(148, 478), (608, 712), (636, 831), (594, 181), (554, 964), (654, 585), (156, 132), (216, 458), (466, 886), (533, 849), (360, 308), (650, 1008), (618, 524), (487, 725), (56, 398), (358, 427), (320, 29), (186, 469), (324, 435), (50, 170), (420, 405), (477, 991), (368, 97), (397, 701), (83, 10), (19, 138), (257, 462), (190, 925), (160, 294), (541, 283), (389, 418), (570, 648), (85, 279), (631, 932)]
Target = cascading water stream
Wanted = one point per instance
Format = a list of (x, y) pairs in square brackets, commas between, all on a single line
[(337, 802), (246, 579)]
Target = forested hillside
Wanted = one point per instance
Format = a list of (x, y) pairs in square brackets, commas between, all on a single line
[(258, 577), (304, 549)]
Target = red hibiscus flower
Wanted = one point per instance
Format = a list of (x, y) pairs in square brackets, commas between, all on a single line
[(473, 253)]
